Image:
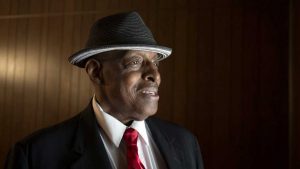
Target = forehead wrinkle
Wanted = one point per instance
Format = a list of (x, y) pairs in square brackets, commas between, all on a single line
[(144, 54), (111, 55)]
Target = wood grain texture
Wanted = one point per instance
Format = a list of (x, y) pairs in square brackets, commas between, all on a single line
[(295, 83), (226, 81)]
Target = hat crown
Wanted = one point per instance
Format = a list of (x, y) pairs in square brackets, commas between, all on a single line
[(123, 28), (123, 31)]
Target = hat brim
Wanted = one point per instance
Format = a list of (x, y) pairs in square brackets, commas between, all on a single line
[(81, 56)]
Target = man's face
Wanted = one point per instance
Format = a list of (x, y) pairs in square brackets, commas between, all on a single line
[(129, 90)]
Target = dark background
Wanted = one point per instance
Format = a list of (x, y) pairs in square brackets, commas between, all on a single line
[(232, 78)]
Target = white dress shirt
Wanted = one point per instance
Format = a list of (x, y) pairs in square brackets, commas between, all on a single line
[(112, 131)]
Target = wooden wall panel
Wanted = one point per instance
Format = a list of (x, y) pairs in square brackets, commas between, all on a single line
[(37, 6), (179, 80), (201, 93), (4, 7), (226, 80), (32, 72), (250, 97), (221, 86), (192, 55), (66, 49), (42, 52), (236, 87), (10, 79), (295, 83), (18, 77), (164, 36), (4, 115)]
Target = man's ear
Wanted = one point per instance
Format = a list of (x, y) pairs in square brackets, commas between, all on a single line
[(93, 68)]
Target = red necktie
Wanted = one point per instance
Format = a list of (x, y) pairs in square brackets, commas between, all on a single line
[(133, 161)]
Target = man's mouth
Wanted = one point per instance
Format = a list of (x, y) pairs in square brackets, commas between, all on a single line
[(151, 91)]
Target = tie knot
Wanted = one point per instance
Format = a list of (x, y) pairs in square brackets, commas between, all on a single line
[(130, 136)]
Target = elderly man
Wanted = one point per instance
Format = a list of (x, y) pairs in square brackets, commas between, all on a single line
[(115, 131)]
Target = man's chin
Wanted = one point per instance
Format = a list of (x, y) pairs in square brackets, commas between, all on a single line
[(143, 114)]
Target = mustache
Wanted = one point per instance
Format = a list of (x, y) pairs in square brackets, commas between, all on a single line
[(154, 85), (149, 86)]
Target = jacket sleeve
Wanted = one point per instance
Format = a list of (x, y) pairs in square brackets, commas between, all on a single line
[(16, 158)]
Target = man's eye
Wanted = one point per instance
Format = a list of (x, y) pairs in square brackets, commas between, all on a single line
[(134, 63), (156, 64)]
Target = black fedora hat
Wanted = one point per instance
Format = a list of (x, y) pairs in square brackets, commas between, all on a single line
[(123, 31)]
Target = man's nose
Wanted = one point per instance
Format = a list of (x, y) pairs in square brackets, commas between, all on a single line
[(151, 73)]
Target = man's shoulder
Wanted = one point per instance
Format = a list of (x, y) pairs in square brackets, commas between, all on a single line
[(52, 143), (55, 134)]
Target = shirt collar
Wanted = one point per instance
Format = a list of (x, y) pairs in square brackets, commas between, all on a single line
[(115, 129)]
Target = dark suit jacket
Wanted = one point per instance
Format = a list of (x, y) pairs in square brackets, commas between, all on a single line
[(76, 144)]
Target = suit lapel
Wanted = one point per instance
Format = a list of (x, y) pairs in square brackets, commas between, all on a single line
[(88, 145), (89, 151), (166, 145)]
